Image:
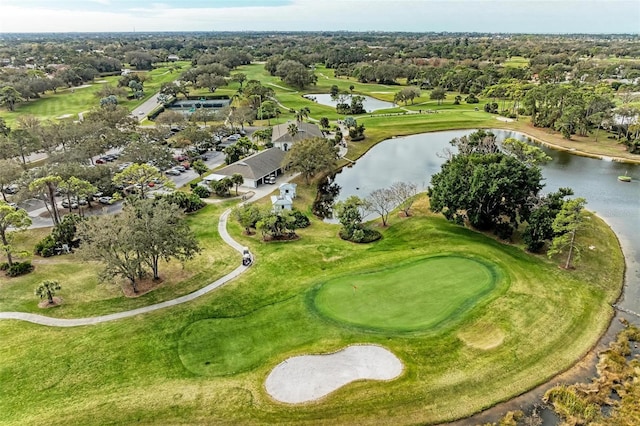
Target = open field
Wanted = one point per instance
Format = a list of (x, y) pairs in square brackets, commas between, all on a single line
[(182, 365)]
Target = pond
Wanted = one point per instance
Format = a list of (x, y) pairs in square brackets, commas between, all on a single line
[(370, 104), (416, 158)]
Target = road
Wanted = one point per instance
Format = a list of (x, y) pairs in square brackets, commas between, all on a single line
[(143, 110)]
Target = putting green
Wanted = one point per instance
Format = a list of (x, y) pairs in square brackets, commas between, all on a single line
[(423, 294)]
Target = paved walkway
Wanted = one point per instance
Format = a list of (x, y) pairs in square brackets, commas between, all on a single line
[(74, 322), (258, 193)]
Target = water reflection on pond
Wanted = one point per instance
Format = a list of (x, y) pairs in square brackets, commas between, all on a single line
[(370, 104)]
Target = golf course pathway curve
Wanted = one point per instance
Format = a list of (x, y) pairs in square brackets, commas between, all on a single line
[(74, 322)]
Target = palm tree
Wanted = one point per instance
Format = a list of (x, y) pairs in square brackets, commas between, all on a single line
[(302, 113), (292, 129), (48, 288)]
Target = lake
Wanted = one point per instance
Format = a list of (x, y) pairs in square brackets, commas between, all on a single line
[(370, 104)]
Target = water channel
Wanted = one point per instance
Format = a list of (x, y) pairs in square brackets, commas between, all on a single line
[(370, 104), (416, 158)]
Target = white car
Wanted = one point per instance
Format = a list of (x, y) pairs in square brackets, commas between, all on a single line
[(172, 172)]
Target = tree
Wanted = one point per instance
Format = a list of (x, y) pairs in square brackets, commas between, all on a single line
[(24, 143), (490, 190), (407, 94), (566, 224), (438, 94), (350, 122), (295, 74), (247, 216), (9, 97), (381, 201), (292, 129), (237, 180), (233, 153), (11, 220), (404, 195), (528, 154), (146, 232), (200, 167), (106, 239), (310, 157), (350, 214), (145, 149), (324, 122), (210, 81), (170, 118), (539, 227), (47, 288), (140, 175), (240, 78), (136, 88), (10, 171), (159, 232), (77, 188), (46, 186), (263, 135), (222, 187), (302, 113)]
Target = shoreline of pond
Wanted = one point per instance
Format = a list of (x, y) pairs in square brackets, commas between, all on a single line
[(585, 367)]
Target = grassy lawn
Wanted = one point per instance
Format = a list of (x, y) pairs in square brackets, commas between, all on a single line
[(206, 361), (516, 62), (68, 102), (84, 295), (421, 295)]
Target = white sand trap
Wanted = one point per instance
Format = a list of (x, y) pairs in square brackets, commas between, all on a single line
[(62, 117), (102, 81), (84, 86), (309, 377)]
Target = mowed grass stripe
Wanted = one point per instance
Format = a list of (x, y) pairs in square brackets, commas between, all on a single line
[(415, 296)]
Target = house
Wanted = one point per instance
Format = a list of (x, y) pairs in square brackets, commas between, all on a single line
[(173, 58), (282, 139), (288, 190), (280, 203), (257, 168)]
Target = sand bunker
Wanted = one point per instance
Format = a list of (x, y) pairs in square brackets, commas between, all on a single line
[(309, 377)]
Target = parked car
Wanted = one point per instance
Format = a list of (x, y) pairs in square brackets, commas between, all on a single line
[(100, 160), (15, 206), (270, 180), (65, 204), (11, 189), (172, 172), (180, 157), (106, 200), (180, 168)]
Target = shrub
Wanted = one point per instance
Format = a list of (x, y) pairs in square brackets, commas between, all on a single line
[(46, 247), (187, 202), (361, 235), (301, 221), (4, 266), (201, 191), (19, 268)]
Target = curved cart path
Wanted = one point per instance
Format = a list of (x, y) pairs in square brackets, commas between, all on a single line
[(74, 322)]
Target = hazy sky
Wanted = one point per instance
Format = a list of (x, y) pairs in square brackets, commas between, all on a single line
[(520, 16)]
